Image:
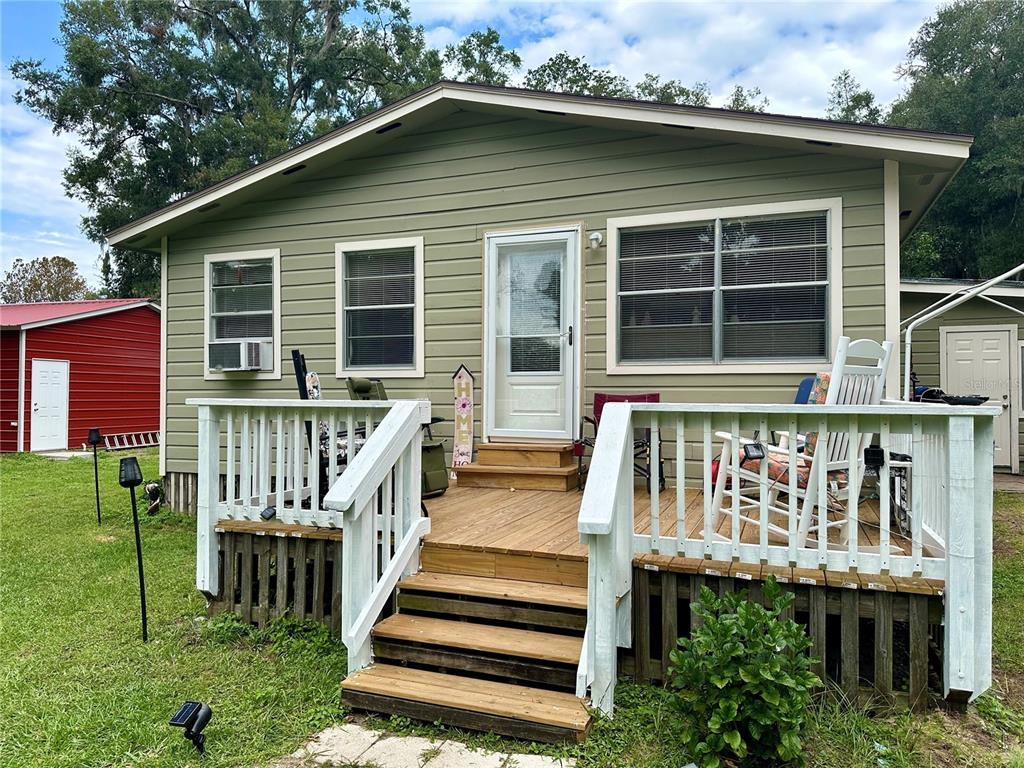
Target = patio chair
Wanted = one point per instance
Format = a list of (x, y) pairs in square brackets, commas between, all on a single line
[(641, 437), (434, 470), (847, 384)]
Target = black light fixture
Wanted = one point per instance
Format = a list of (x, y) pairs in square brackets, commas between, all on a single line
[(193, 717), (130, 477), (94, 440)]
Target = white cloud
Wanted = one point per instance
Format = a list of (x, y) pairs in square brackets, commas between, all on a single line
[(789, 50), (37, 218)]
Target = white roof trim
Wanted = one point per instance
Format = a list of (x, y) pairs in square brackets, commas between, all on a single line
[(84, 315), (755, 125), (909, 286)]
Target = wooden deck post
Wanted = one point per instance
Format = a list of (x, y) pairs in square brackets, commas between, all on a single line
[(206, 508), (984, 447), (959, 659)]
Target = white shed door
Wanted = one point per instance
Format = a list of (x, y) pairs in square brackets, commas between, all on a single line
[(49, 405), (977, 362)]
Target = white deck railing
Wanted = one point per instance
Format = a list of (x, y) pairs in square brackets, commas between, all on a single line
[(950, 516), (332, 463)]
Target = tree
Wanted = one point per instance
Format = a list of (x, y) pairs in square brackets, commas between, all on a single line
[(48, 278), (964, 74), (849, 102), (563, 73), (673, 92), (481, 58), (170, 97), (746, 100)]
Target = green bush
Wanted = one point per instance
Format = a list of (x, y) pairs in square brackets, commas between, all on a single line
[(742, 681)]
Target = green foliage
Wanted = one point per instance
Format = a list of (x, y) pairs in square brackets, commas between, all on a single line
[(563, 73), (481, 58), (963, 70), (746, 100), (48, 278), (849, 102), (743, 681)]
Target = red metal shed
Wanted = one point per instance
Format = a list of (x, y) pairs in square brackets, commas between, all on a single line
[(68, 366)]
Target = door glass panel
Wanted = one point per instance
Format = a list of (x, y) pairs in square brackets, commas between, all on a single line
[(529, 320)]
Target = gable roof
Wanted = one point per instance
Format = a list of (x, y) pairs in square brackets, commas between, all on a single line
[(928, 159), (43, 313)]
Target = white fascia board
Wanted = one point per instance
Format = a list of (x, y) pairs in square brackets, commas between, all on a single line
[(940, 288), (93, 313)]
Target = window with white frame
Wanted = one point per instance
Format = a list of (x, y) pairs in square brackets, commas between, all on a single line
[(725, 290), (380, 307), (242, 303)]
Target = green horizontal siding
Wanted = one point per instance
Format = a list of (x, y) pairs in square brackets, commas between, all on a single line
[(471, 173)]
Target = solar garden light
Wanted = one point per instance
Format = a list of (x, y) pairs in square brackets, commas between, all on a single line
[(94, 440), (193, 717), (130, 477)]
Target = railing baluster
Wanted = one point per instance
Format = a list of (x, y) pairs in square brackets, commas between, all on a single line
[(230, 494), (884, 499), (853, 495), (386, 513), (298, 456), (245, 464), (680, 484), (332, 457), (793, 475), (918, 488), (264, 480), (822, 465), (708, 486), (279, 481), (350, 437), (654, 485), (762, 494), (735, 468)]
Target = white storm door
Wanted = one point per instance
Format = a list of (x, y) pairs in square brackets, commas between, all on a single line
[(978, 362), (49, 418), (529, 367)]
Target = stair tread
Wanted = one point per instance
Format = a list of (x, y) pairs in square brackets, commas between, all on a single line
[(486, 638), (511, 469), (557, 447), (498, 589), (518, 702)]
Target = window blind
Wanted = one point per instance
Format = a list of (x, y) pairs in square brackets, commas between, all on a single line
[(379, 308), (725, 290), (242, 300)]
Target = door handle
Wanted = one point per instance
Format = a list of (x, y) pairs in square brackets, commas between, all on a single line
[(570, 335)]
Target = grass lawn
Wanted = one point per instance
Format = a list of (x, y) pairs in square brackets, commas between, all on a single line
[(78, 687)]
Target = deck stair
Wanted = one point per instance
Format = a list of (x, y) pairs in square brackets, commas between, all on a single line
[(526, 466), (480, 653)]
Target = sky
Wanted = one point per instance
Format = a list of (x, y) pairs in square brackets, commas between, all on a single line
[(790, 50)]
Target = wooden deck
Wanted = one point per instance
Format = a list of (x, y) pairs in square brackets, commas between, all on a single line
[(542, 524)]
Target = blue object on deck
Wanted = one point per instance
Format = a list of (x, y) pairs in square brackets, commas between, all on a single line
[(803, 392)]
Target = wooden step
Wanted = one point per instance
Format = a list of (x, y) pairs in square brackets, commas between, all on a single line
[(498, 589), (523, 478), (465, 702), (525, 454), (482, 638), (567, 571)]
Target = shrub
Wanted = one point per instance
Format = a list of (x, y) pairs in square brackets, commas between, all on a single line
[(742, 681)]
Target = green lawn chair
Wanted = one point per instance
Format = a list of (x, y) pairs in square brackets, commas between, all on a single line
[(435, 472)]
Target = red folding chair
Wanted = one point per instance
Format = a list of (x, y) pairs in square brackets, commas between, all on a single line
[(641, 437)]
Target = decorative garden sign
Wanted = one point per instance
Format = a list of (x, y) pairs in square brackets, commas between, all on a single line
[(462, 452)]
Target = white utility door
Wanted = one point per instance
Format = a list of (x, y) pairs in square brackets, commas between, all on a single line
[(978, 362), (49, 405), (530, 353)]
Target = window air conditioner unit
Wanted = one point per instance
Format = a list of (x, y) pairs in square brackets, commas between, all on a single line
[(242, 356)]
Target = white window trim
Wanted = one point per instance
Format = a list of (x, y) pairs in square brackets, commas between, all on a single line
[(832, 205), (213, 258), (416, 371)]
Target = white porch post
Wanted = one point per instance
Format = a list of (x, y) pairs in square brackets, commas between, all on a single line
[(984, 447), (207, 574), (959, 657)]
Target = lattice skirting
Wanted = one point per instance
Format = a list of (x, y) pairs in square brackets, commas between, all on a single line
[(878, 644), (264, 577), (181, 491)]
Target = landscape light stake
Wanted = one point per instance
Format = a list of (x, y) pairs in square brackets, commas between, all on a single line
[(130, 477), (94, 440)]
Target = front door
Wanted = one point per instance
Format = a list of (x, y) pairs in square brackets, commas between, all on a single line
[(978, 362), (530, 353), (49, 405)]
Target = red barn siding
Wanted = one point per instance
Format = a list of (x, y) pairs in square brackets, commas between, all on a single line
[(8, 390), (114, 371)]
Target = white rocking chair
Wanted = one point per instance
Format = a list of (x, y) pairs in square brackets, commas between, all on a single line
[(847, 384)]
